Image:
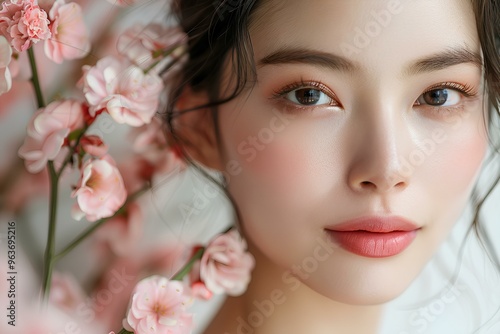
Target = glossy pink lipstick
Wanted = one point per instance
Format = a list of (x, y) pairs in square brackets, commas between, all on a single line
[(374, 236)]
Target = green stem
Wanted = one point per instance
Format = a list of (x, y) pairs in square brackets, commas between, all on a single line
[(98, 224), (163, 54), (51, 241), (35, 80), (72, 151), (187, 267), (124, 331)]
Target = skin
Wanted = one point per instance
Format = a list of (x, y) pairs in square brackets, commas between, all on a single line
[(321, 165)]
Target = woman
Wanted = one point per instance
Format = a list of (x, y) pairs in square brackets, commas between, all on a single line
[(350, 135)]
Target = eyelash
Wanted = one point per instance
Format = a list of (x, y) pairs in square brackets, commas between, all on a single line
[(304, 85), (466, 90)]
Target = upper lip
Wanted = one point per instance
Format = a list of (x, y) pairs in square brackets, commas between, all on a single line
[(380, 224)]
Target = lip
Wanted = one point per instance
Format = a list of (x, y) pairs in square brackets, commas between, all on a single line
[(374, 236)]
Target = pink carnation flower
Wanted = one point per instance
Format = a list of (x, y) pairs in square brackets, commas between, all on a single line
[(158, 305), (70, 38), (128, 94), (5, 58), (100, 191), (47, 131), (24, 23), (225, 265)]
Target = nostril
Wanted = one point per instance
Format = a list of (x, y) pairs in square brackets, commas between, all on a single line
[(368, 184)]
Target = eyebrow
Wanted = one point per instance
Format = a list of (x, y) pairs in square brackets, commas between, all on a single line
[(309, 57), (442, 60), (438, 61)]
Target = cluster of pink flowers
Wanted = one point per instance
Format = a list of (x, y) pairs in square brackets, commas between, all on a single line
[(127, 86), (116, 85), (160, 305), (128, 94), (24, 23)]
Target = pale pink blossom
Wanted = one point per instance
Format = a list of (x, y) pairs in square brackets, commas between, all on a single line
[(225, 265), (128, 94), (47, 131), (124, 231), (145, 46), (158, 305), (158, 258), (94, 146), (70, 38), (24, 23), (5, 58), (100, 191)]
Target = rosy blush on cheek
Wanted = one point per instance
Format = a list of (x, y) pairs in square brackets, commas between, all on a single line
[(278, 165), (464, 161)]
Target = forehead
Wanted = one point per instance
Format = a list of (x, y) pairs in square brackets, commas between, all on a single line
[(379, 34)]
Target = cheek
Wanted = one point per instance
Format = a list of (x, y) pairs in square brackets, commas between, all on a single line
[(461, 161), (279, 165), (452, 174)]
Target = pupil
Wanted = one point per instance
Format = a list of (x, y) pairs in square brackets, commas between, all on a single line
[(436, 97), (308, 96)]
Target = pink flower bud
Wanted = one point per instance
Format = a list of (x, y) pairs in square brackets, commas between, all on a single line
[(94, 145)]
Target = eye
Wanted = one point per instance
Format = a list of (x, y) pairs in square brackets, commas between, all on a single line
[(446, 94), (441, 97), (307, 94), (308, 97)]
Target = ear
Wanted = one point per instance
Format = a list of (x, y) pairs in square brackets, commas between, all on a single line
[(196, 129)]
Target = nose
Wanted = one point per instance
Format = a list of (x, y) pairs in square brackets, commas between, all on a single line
[(378, 142)]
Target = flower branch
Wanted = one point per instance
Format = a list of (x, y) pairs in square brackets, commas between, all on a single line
[(50, 247), (188, 266), (35, 80)]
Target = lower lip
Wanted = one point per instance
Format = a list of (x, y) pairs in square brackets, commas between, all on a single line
[(373, 244)]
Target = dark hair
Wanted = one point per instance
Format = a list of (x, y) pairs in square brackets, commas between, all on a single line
[(218, 29)]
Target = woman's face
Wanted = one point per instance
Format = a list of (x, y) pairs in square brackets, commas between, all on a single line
[(361, 109)]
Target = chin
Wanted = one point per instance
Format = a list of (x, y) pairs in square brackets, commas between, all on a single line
[(355, 280)]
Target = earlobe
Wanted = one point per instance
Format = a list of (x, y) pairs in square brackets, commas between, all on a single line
[(195, 129)]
